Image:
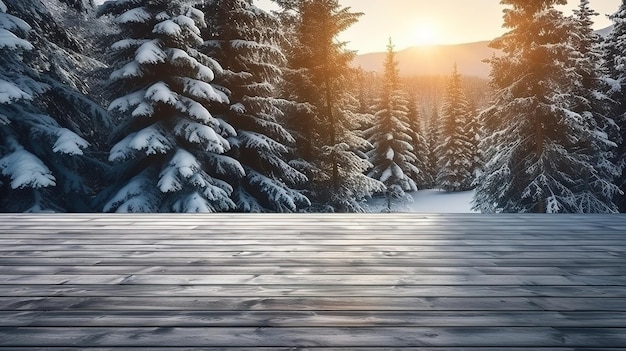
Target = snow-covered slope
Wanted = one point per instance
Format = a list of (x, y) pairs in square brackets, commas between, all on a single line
[(428, 201), (605, 31)]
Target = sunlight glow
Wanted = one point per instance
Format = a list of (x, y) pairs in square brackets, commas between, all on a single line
[(425, 33)]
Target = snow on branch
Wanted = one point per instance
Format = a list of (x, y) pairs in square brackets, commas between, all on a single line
[(128, 43), (182, 166), (167, 27), (9, 92), (136, 15), (138, 196), (26, 170), (12, 23), (202, 90), (144, 109), (160, 92), (129, 70), (182, 58), (150, 53), (196, 111), (258, 141), (197, 16), (186, 22), (125, 102), (201, 134), (225, 165), (193, 203), (151, 139), (69, 143), (11, 41)]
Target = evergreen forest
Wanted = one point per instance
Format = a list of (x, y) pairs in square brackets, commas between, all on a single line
[(183, 106)]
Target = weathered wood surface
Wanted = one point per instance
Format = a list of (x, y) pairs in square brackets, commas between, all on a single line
[(312, 282)]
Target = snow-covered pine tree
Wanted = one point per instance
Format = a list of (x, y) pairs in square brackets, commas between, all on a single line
[(364, 94), (392, 156), (614, 62), (423, 179), (21, 170), (43, 152), (324, 122), (596, 192), (472, 131), (433, 140), (245, 40), (532, 137), (454, 153), (169, 147)]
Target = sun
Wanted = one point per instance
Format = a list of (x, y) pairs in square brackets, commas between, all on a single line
[(425, 33)]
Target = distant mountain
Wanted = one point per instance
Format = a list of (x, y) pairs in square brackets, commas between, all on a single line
[(605, 31), (434, 60), (438, 60)]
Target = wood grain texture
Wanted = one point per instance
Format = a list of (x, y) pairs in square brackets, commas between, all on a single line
[(312, 282)]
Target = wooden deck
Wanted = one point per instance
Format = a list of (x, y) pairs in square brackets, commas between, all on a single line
[(312, 282)]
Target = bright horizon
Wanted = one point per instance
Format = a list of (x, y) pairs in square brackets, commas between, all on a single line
[(426, 22), (441, 22)]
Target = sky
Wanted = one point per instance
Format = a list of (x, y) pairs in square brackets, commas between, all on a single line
[(427, 22)]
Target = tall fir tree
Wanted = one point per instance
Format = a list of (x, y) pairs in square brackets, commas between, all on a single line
[(595, 194), (246, 41), (419, 141), (472, 131), (46, 129), (22, 171), (364, 95), (169, 148), (324, 122), (392, 156), (433, 141), (614, 62), (454, 153), (534, 133)]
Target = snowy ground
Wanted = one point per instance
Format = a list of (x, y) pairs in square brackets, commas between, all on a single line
[(428, 201)]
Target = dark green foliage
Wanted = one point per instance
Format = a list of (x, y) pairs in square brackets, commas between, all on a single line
[(168, 147), (455, 152), (392, 137), (45, 154), (323, 122), (246, 41), (614, 59), (536, 129)]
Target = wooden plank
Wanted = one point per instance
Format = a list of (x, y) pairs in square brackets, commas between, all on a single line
[(311, 337), (297, 304), (201, 262), (361, 255), (216, 290), (199, 244), (313, 279), (292, 270), (310, 319), (315, 303), (304, 248), (282, 235)]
